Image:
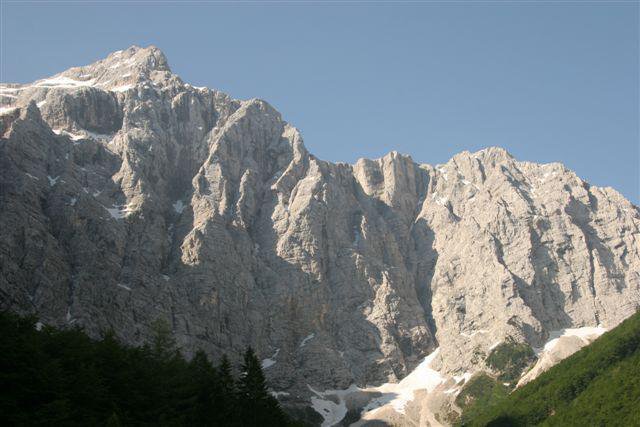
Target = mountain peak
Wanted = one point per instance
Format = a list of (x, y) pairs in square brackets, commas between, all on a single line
[(124, 68), (118, 72), (145, 58)]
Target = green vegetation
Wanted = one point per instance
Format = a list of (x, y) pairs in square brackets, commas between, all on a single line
[(64, 378), (510, 359), (480, 392), (597, 386)]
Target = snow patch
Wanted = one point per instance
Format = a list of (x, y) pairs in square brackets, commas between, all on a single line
[(306, 340), (69, 318), (31, 176), (5, 110), (122, 88), (442, 201), (277, 394), (474, 333), (119, 211), (422, 377), (53, 181), (582, 333), (495, 345), (63, 82), (459, 378), (395, 394), (562, 344), (331, 411), (39, 326), (4, 89), (125, 287), (267, 363), (178, 206)]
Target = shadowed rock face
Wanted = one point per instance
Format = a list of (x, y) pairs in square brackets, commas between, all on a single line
[(128, 195)]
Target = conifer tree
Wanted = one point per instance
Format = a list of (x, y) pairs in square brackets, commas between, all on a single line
[(163, 344), (258, 406), (223, 397), (114, 420), (227, 383), (204, 389)]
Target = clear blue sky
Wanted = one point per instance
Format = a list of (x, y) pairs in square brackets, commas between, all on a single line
[(547, 81)]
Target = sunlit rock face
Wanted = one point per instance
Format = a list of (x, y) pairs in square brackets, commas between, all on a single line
[(129, 195)]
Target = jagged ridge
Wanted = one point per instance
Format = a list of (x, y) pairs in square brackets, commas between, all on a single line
[(128, 198)]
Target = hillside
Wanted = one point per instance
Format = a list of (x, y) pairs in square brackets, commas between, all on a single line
[(597, 386)]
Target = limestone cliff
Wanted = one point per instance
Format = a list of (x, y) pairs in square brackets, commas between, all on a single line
[(128, 195)]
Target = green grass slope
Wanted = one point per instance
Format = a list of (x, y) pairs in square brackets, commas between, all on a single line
[(597, 386)]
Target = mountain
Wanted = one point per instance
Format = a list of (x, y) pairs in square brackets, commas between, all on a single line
[(599, 385), (129, 196)]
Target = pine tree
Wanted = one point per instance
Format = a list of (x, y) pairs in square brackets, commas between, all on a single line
[(226, 401), (253, 384), (258, 406), (204, 389), (114, 420), (163, 345), (227, 383)]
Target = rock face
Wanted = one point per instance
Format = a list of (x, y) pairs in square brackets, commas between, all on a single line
[(128, 195)]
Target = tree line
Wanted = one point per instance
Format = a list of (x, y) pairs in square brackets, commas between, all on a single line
[(51, 376)]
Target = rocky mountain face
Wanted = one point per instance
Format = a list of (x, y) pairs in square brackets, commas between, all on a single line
[(128, 196)]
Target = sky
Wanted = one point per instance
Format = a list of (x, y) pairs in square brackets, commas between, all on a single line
[(548, 81)]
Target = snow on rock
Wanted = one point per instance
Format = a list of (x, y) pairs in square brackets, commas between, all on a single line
[(587, 334), (306, 340), (63, 82), (494, 345), (119, 211), (442, 201), (421, 378), (267, 363), (69, 318), (562, 344), (84, 134), (474, 333), (331, 404), (178, 206), (5, 110), (73, 136), (52, 181), (325, 404), (464, 377), (122, 88), (277, 394), (125, 287)]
